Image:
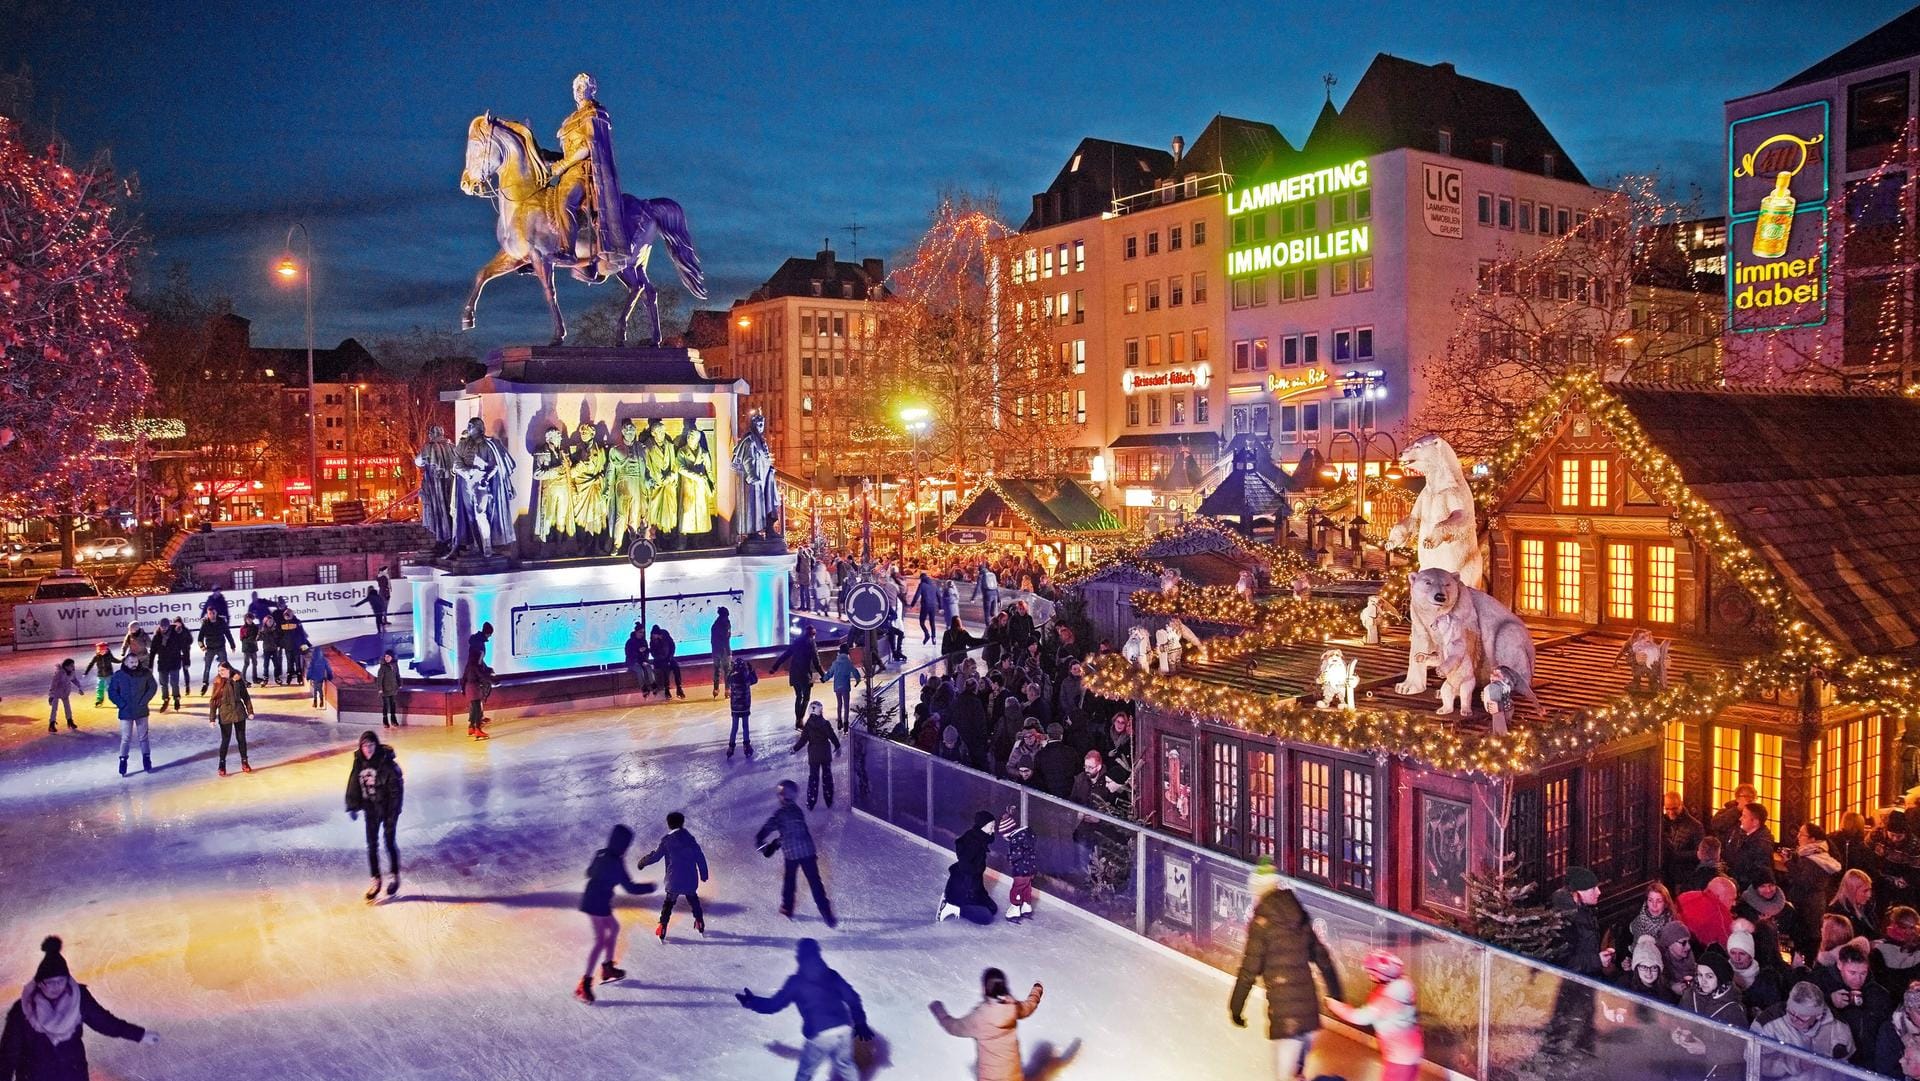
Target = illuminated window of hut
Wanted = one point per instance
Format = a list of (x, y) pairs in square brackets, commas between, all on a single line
[(1766, 769), (1660, 583), (1533, 576), (1569, 482), (1566, 594), (1826, 779), (1315, 857), (1726, 763), (1674, 755), (1558, 834), (1260, 803), (1620, 581), (1596, 482)]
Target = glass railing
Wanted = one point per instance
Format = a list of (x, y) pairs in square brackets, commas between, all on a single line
[(1486, 1013)]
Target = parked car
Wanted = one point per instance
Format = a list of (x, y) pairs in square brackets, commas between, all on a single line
[(102, 549), (64, 585), (22, 558)]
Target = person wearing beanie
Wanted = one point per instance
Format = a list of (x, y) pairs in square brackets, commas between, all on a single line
[(1708, 913), (1898, 1042), (1893, 853), (1677, 954), (1758, 975), (1644, 973), (1713, 995), (42, 1039), (1856, 1001), (966, 893), (1805, 1022), (1774, 918), (793, 840), (1896, 954), (1281, 944), (376, 786), (1023, 862)]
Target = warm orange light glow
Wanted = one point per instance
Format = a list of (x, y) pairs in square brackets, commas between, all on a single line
[(744, 322), (287, 268)]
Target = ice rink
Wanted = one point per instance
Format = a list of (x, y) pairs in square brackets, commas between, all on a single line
[(226, 913)]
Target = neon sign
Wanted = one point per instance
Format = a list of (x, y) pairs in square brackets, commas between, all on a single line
[(1197, 377), (1281, 254), (1777, 218), (1283, 387), (1295, 188)]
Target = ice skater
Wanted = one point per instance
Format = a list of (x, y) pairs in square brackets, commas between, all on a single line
[(1281, 943), (831, 1016), (476, 680), (1391, 1013), (740, 681), (686, 869), (802, 659), (607, 871), (387, 678), (966, 891), (42, 1039), (100, 666), (993, 1026), (821, 745), (376, 786), (319, 672), (66, 680), (132, 690), (229, 707), (841, 672), (795, 842), (720, 641), (1023, 863)]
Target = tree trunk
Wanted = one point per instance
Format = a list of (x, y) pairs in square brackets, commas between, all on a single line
[(64, 525)]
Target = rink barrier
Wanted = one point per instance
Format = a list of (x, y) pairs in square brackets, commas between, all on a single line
[(1487, 1013)]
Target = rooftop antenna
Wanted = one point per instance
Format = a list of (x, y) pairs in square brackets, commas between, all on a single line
[(1329, 79), (853, 234)]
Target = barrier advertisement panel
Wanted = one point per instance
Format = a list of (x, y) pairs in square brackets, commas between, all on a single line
[(327, 612)]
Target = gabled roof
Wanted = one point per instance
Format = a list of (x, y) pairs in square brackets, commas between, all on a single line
[(1252, 489), (839, 280), (1897, 40), (1098, 172), (342, 364), (1404, 104), (1046, 505), (1229, 144)]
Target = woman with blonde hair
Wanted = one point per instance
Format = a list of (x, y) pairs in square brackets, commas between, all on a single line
[(1835, 931), (1854, 900)]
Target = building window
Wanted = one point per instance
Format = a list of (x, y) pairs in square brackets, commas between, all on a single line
[(1260, 354), (1548, 163), (1176, 348), (1173, 238), (1239, 231), (1226, 795), (1533, 576), (1356, 828), (1620, 592), (1566, 594), (1131, 304), (1876, 114), (1556, 834), (1242, 293), (1526, 215), (1660, 583), (1363, 274), (1079, 255), (1079, 356), (1310, 282), (1242, 356), (242, 578), (1130, 247), (1202, 407), (1309, 348), (1314, 858), (1742, 756), (1596, 482), (1199, 288), (1342, 278), (1200, 345), (1674, 757), (1177, 409), (1153, 243), (1079, 407), (1289, 285), (1363, 204), (1176, 292), (1079, 306), (1199, 233), (1260, 292), (1444, 142), (1309, 420), (1506, 212), (1154, 354), (1153, 294), (1133, 412), (1046, 263), (1570, 482), (1262, 804), (1497, 152), (327, 574), (1483, 206), (1153, 411), (1131, 351)]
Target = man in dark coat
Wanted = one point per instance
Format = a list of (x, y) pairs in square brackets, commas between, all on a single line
[(795, 842), (926, 595), (1570, 1028), (215, 640), (831, 1015), (1727, 819), (1707, 866), (1749, 851), (968, 716), (376, 786), (666, 669), (1281, 943), (802, 659), (637, 655), (42, 1039), (686, 869), (821, 745), (131, 690), (1055, 764), (1680, 835)]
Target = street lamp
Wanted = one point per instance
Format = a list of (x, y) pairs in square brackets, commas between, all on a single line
[(917, 420), (289, 269), (1362, 441)]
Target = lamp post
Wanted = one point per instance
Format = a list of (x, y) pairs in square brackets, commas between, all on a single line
[(917, 420), (354, 466), (1361, 442), (289, 269)]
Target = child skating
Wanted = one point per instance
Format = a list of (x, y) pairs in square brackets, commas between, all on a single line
[(1391, 1012), (686, 869)]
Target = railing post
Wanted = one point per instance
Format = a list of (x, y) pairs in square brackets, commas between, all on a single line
[(889, 757), (1026, 819), (1753, 1060), (1484, 1057), (931, 764), (1140, 882)]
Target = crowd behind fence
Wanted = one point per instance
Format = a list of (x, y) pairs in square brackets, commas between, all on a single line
[(1487, 1014)]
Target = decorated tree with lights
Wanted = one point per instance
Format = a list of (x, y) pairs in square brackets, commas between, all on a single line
[(68, 358), (966, 339), (1614, 292)]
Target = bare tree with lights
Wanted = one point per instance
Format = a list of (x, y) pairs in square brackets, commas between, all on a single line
[(968, 342), (1614, 293)]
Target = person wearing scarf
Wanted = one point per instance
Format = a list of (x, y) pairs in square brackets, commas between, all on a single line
[(1714, 995), (1643, 974), (41, 1041), (1896, 956), (1676, 950), (1656, 911), (1773, 917), (1758, 975), (1899, 1040)]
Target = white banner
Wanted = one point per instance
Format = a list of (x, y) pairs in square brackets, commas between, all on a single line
[(1442, 200), (326, 611)]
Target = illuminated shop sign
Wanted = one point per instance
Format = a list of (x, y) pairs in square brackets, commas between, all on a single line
[(1295, 188), (1287, 386), (1300, 251), (1196, 377), (1777, 190)]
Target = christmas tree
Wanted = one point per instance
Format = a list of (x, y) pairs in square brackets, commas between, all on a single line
[(1504, 915)]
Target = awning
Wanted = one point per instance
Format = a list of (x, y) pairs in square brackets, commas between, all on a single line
[(1194, 440)]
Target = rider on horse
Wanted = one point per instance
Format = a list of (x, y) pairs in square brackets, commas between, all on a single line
[(589, 188)]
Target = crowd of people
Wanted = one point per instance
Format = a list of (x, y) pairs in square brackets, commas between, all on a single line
[(1814, 942)]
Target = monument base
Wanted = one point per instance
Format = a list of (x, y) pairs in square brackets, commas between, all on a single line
[(763, 546)]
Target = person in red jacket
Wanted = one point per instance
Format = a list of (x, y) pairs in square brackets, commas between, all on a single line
[(1708, 913), (1390, 1011)]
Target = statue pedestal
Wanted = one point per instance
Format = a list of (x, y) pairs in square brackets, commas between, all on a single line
[(763, 546)]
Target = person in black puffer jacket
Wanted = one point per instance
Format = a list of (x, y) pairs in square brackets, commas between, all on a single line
[(376, 786), (1281, 943)]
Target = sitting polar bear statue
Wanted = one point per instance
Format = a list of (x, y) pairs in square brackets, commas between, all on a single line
[(1470, 635)]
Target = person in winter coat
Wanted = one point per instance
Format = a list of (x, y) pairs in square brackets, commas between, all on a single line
[(802, 659), (1805, 1022), (229, 707), (1708, 913), (1656, 911), (966, 891), (992, 1026), (795, 842), (167, 664), (1281, 944), (1898, 1042), (1644, 974), (217, 605), (271, 653), (1749, 848), (740, 680), (841, 672), (101, 666), (319, 672), (1392, 1013), (131, 690), (665, 669), (1678, 956), (1810, 879), (1859, 1003), (686, 869), (720, 643), (1712, 994), (216, 640), (66, 680), (1570, 1029), (387, 678), (1854, 900), (250, 647), (476, 680), (138, 642), (1896, 954), (376, 602), (42, 1038), (955, 642), (821, 745), (607, 872), (1055, 763), (926, 595), (1680, 834), (831, 1014), (293, 636), (1761, 979), (1022, 864), (376, 786)]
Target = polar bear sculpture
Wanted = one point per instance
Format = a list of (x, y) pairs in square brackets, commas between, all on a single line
[(1441, 526), (1483, 632)]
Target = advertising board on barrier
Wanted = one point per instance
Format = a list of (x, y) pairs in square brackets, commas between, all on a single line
[(327, 612)]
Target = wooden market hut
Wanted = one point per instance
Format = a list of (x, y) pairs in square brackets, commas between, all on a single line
[(1770, 553), (1050, 512)]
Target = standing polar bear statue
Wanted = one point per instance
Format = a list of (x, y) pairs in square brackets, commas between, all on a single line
[(1442, 531)]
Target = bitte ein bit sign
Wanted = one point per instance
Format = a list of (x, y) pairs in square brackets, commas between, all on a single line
[(1777, 190), (1284, 386)]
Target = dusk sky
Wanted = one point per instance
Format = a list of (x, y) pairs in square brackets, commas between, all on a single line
[(777, 125)]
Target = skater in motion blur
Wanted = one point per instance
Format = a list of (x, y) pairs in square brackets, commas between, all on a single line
[(1281, 943), (817, 737), (1391, 1013), (607, 871), (477, 681), (789, 823), (376, 786), (831, 1016), (993, 1026), (686, 869), (42, 1039)]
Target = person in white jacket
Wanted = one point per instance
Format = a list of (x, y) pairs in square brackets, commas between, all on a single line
[(992, 1026)]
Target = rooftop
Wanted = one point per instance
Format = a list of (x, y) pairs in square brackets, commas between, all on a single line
[(828, 276), (1897, 40)]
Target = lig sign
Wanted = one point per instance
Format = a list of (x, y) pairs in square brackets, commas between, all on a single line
[(1283, 387), (1197, 377), (1777, 190), (1295, 188)]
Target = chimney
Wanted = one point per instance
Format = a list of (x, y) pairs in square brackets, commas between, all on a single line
[(876, 269), (1445, 67), (826, 250), (1179, 148)]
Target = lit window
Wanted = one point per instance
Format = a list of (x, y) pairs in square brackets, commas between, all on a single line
[(1569, 482), (1557, 834), (329, 573), (243, 579), (1675, 755), (1826, 786), (1132, 303), (1620, 581), (1596, 482), (1766, 768), (1533, 575), (1660, 583), (1079, 255), (1566, 594), (1315, 854), (1080, 357), (1080, 407), (1726, 763)]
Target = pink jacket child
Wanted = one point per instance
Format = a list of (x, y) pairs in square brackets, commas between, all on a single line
[(1391, 1013)]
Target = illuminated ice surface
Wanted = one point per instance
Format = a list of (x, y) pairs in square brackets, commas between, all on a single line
[(226, 913)]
